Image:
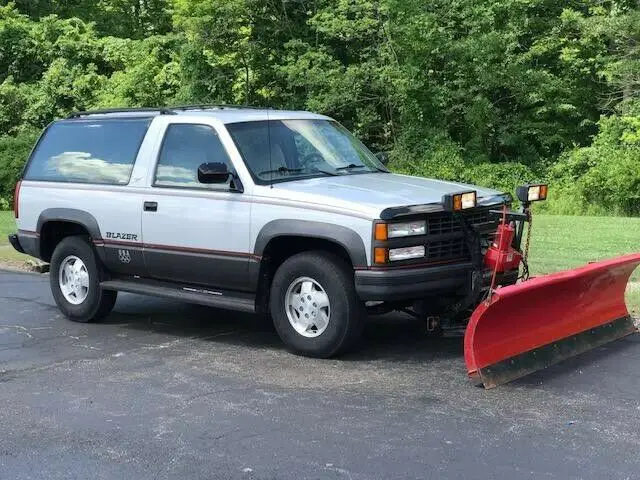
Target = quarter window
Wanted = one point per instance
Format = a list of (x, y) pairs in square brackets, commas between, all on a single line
[(185, 148), (88, 151)]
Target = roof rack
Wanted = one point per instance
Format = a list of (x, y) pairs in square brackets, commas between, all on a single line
[(106, 111), (207, 106)]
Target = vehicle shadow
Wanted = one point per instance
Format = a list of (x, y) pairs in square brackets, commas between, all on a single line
[(394, 336)]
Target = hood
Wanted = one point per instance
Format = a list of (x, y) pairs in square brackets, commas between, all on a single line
[(371, 192)]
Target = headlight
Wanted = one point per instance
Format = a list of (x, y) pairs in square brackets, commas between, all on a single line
[(406, 253), (406, 229)]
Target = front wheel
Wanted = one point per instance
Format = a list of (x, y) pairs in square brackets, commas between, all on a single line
[(314, 306), (75, 282)]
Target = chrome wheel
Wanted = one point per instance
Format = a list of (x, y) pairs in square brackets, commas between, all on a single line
[(73, 279), (308, 307)]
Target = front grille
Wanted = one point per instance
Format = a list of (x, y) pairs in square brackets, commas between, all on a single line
[(443, 223), (446, 250), (455, 247)]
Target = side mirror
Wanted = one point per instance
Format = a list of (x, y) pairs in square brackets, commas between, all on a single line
[(213, 173), (383, 157)]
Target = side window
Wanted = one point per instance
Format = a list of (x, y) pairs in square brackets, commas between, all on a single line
[(184, 149), (88, 151)]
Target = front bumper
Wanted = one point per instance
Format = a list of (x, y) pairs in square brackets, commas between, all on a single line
[(397, 284)]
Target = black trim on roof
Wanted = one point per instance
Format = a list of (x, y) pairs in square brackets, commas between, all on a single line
[(106, 111), (158, 110)]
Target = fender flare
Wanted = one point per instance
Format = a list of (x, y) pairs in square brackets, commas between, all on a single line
[(343, 236), (72, 215)]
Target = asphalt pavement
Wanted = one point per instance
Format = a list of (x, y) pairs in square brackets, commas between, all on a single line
[(168, 390)]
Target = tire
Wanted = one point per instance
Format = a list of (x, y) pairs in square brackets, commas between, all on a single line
[(90, 303), (334, 277)]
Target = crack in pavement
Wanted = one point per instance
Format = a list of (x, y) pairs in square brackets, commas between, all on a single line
[(29, 300), (19, 328)]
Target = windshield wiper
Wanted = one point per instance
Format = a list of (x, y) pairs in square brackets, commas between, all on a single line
[(328, 172), (351, 166), (282, 170)]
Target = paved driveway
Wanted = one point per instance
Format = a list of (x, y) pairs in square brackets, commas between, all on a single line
[(167, 390)]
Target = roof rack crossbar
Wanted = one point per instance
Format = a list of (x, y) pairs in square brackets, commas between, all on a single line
[(105, 111)]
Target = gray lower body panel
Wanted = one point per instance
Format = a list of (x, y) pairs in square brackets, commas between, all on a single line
[(230, 272)]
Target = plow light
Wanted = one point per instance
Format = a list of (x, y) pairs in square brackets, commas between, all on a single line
[(454, 202), (532, 192)]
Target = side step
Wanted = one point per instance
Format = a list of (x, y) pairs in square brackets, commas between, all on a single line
[(242, 302)]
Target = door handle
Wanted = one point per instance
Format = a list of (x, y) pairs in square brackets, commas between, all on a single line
[(150, 206)]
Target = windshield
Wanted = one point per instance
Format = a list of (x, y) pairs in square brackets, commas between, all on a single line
[(283, 150)]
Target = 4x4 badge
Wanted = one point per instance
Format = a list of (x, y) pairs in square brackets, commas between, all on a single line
[(124, 256)]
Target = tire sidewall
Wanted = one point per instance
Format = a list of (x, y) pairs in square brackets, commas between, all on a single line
[(333, 279), (85, 311)]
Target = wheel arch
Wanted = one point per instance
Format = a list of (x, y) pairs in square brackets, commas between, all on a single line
[(54, 224), (344, 237), (280, 239)]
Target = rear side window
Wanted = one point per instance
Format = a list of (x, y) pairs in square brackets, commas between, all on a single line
[(88, 151)]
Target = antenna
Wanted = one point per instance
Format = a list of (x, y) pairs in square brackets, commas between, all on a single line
[(269, 146)]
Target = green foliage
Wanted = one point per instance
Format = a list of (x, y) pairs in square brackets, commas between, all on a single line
[(603, 177), (14, 152), (442, 158), (493, 92)]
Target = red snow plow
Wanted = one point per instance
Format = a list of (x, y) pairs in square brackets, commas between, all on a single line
[(521, 328)]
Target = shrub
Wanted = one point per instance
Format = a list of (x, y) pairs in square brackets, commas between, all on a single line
[(441, 158), (603, 178), (14, 152)]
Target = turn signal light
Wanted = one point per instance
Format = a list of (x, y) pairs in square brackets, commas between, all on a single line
[(381, 231), (380, 255)]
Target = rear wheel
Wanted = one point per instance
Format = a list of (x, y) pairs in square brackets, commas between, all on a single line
[(75, 281), (314, 305)]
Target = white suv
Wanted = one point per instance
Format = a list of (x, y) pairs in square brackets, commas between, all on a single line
[(252, 210)]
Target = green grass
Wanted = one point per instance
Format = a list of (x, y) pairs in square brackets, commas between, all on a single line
[(561, 242), (8, 256), (557, 243)]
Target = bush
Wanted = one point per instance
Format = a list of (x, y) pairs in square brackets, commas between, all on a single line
[(436, 157), (14, 152), (4, 204), (441, 158), (603, 178)]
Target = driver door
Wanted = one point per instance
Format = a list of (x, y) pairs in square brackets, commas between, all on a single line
[(195, 233)]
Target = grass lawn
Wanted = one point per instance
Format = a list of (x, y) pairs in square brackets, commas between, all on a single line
[(561, 242), (8, 256), (557, 243)]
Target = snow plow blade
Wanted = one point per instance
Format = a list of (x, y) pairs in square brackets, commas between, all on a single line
[(534, 324)]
